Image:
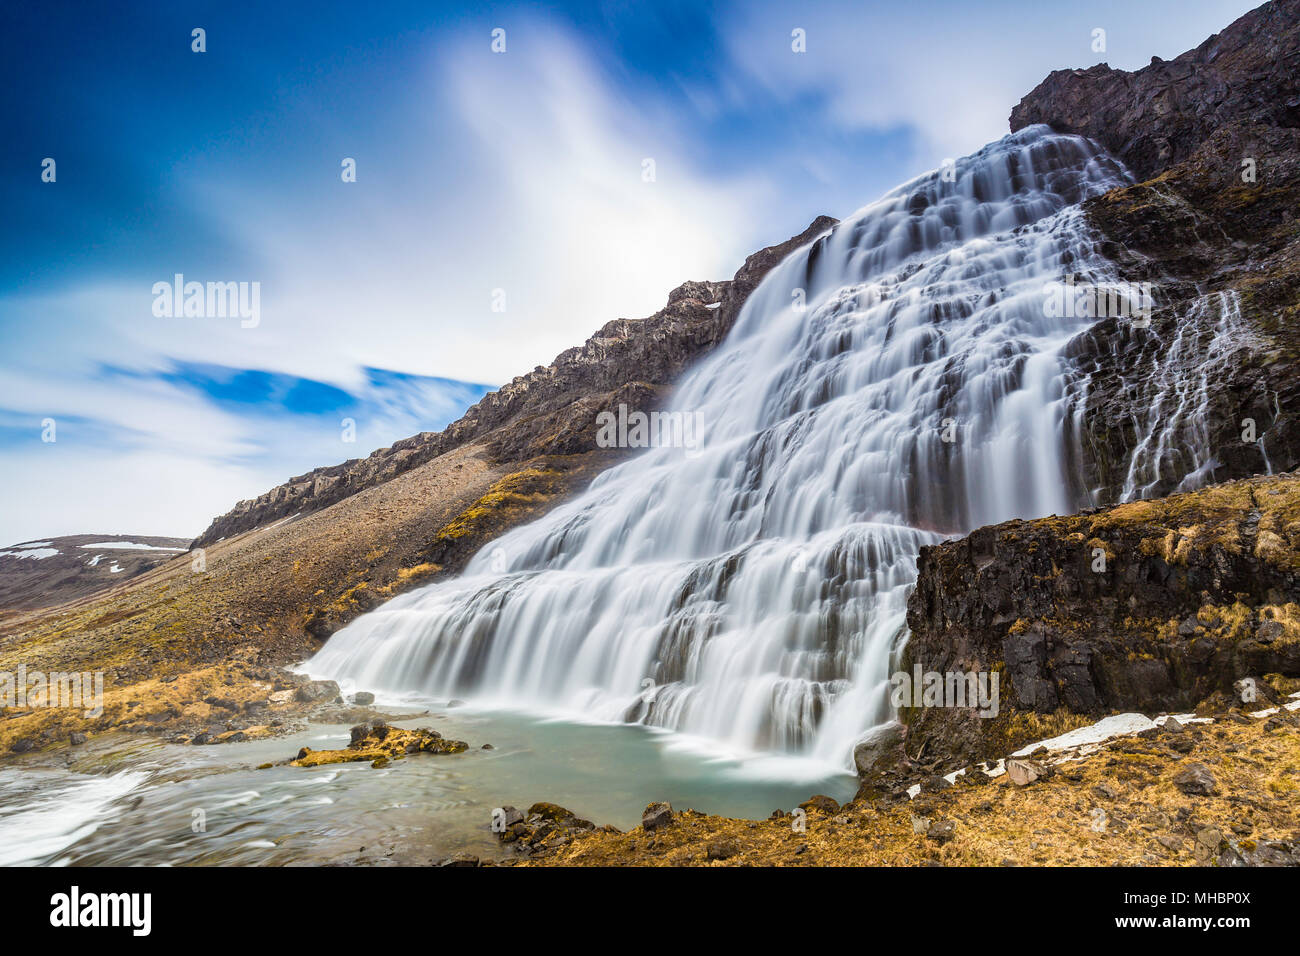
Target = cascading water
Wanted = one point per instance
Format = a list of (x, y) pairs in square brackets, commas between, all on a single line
[(896, 381), (1174, 452)]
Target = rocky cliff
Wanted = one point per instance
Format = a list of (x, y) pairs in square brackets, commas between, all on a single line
[(1148, 606), (1162, 603), (551, 410), (1208, 389), (1159, 116)]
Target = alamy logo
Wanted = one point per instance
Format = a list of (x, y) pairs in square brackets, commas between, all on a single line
[(636, 429), (949, 689), (103, 909), (209, 300), (57, 689)]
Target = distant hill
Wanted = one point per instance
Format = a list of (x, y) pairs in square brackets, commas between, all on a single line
[(49, 571)]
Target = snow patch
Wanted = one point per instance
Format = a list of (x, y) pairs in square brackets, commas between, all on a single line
[(126, 546), (1119, 725), (37, 554)]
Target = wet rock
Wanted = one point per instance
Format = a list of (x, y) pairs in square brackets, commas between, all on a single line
[(380, 744), (76, 738), (462, 860), (22, 746), (363, 698), (882, 747), (509, 816)]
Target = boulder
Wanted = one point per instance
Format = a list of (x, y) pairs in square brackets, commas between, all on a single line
[(656, 816), (317, 691), (1195, 780)]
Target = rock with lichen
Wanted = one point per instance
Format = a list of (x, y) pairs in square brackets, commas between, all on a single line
[(379, 744)]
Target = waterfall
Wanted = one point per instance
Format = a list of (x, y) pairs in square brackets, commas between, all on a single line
[(897, 381), (1174, 452)]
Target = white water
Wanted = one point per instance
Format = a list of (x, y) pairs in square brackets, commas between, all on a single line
[(42, 812), (752, 592), (1174, 452)]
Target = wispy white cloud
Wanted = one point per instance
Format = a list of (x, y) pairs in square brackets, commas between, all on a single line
[(948, 71)]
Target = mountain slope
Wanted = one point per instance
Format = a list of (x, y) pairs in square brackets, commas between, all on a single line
[(44, 573), (271, 579), (552, 409)]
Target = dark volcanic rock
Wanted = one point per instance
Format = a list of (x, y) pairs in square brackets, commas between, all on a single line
[(1159, 115), (316, 691), (657, 815), (1153, 605), (1214, 226)]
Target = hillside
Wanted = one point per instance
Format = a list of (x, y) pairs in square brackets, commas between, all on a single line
[(37, 574)]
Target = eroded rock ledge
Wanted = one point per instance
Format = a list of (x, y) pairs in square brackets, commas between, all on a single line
[(1152, 605)]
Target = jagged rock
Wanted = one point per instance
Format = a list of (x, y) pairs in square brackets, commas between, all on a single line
[(1024, 772), (1157, 116), (656, 816)]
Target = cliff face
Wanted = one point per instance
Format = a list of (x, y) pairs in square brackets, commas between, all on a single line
[(1148, 606), (1162, 603), (1213, 226), (551, 410), (1159, 116)]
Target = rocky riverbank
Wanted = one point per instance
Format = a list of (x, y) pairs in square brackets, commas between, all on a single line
[(1219, 790)]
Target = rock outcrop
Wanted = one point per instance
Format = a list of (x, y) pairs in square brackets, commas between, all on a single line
[(378, 744), (1209, 388), (1148, 606), (1159, 116), (551, 410)]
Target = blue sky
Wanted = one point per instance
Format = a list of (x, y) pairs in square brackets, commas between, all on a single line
[(476, 172)]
